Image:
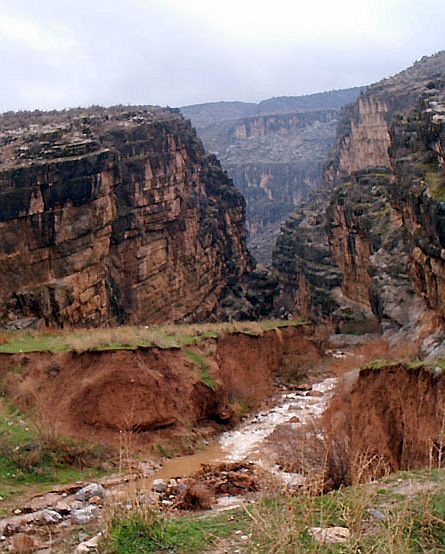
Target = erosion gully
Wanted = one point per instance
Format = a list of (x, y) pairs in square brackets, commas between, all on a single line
[(248, 442)]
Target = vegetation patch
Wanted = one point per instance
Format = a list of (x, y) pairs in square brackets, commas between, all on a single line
[(147, 531), (380, 363), (30, 455), (131, 338), (377, 519), (200, 361), (434, 178)]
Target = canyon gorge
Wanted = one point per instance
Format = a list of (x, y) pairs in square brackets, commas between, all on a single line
[(367, 247), (274, 151), (135, 317)]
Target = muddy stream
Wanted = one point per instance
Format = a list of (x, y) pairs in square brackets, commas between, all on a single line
[(65, 507), (248, 442)]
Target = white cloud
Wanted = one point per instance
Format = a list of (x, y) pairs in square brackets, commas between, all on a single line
[(57, 53), (36, 36)]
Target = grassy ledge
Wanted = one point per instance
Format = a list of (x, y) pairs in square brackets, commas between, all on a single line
[(436, 366), (131, 338)]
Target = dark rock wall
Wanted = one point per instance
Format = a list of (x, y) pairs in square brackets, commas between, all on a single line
[(119, 216)]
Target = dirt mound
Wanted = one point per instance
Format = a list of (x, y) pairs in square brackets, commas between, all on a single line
[(389, 419), (200, 490), (97, 395)]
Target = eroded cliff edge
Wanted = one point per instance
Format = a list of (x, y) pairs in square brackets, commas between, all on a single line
[(205, 377), (114, 215), (367, 249)]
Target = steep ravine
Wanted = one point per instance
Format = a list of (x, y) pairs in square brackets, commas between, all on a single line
[(274, 151), (374, 228)]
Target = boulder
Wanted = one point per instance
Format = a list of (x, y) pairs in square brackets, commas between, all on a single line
[(84, 515), (50, 516), (159, 485), (88, 492)]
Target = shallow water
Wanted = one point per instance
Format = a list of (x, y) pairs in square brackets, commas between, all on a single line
[(249, 440)]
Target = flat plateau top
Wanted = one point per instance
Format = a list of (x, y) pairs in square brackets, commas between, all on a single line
[(30, 137)]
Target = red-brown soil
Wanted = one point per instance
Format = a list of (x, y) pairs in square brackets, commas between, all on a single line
[(389, 419), (98, 395)]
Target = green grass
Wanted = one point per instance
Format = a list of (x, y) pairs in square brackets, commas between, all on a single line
[(413, 523), (379, 363), (200, 361), (139, 533), (27, 460), (131, 338), (435, 180), (436, 185), (429, 365)]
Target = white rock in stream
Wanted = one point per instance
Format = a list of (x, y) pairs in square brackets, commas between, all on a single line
[(248, 438)]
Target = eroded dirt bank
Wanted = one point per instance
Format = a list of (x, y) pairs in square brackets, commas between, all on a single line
[(98, 394), (392, 417)]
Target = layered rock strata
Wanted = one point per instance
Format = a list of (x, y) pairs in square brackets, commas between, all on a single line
[(112, 216), (376, 222), (274, 151)]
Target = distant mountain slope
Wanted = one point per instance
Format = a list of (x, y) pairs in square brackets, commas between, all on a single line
[(334, 100), (203, 115)]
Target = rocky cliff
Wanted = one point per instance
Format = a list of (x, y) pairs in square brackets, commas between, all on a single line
[(375, 228), (114, 215), (274, 151)]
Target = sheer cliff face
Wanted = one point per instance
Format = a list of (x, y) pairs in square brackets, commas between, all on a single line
[(114, 216), (379, 212), (274, 151), (417, 148)]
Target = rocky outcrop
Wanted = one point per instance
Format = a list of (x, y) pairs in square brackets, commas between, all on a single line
[(417, 148), (376, 209), (114, 215), (274, 152)]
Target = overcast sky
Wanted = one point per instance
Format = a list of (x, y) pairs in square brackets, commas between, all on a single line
[(63, 53)]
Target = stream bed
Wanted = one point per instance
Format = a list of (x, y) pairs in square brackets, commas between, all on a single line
[(248, 442)]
